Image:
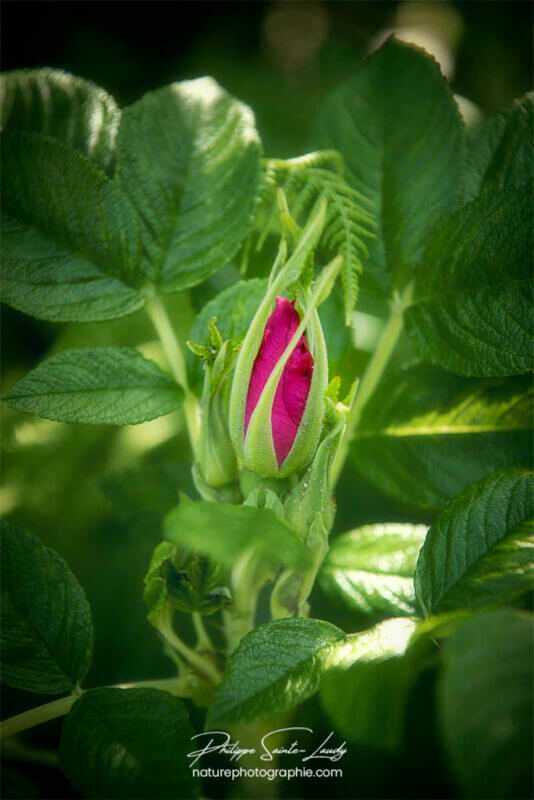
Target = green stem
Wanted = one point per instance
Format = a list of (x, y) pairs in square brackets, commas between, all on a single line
[(58, 708), (201, 664), (17, 751), (203, 640), (171, 347), (373, 374), (35, 716)]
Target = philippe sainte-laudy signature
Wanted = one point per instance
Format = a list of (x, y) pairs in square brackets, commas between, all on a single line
[(294, 744)]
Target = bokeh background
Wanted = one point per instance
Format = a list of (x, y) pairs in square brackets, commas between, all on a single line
[(98, 494)]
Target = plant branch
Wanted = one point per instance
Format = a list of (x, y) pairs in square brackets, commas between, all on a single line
[(202, 665), (157, 312), (59, 708), (373, 373)]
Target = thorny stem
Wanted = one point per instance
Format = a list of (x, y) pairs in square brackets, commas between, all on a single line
[(373, 374), (171, 347)]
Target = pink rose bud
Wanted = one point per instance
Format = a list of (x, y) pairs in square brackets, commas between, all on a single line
[(294, 385)]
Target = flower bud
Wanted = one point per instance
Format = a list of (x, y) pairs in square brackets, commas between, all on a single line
[(294, 385), (217, 465), (284, 404)]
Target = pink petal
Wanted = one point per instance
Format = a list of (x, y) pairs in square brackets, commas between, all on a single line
[(294, 386)]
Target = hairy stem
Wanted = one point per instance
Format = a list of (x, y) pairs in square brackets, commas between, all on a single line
[(373, 373), (157, 312)]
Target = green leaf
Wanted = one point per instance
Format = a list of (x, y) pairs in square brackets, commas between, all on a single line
[(405, 156), (472, 311), (366, 694), (234, 309), (349, 220), (370, 570), (274, 667), (500, 576), (70, 239), (485, 704), (97, 385), (128, 743), (184, 581), (465, 534), (46, 628), (427, 434), (188, 156), (50, 101), (224, 532), (500, 150)]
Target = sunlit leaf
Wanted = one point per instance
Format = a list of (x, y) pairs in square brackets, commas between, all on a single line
[(70, 239), (426, 434), (188, 157), (224, 532), (459, 551), (274, 668), (98, 385), (412, 180), (61, 105), (365, 696), (370, 569)]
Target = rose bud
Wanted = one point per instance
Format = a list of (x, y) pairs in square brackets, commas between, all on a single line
[(294, 385), (284, 403), (277, 403)]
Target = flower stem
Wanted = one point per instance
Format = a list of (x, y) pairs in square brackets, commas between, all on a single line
[(373, 373), (157, 312)]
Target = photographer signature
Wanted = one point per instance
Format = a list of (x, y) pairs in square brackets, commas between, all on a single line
[(221, 742)]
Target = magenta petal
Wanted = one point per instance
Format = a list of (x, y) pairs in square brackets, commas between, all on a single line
[(294, 386)]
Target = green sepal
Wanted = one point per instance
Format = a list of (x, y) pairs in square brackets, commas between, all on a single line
[(313, 493)]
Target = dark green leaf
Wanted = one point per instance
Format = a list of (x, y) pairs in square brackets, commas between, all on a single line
[(472, 311), (465, 535), (500, 151), (70, 240), (46, 630), (275, 667), (405, 156), (98, 385), (54, 102), (188, 156), (370, 570), (366, 694), (224, 532), (128, 743), (234, 309), (426, 434), (485, 702)]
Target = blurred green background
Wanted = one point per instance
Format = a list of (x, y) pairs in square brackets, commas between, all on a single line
[(97, 495)]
